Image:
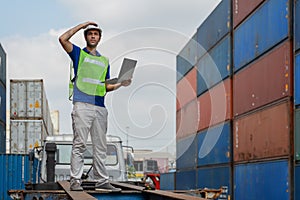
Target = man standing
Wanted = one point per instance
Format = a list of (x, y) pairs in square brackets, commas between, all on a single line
[(89, 114)]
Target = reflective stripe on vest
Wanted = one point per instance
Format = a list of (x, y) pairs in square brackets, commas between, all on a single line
[(91, 74)]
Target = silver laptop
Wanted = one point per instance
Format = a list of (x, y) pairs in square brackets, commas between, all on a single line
[(125, 73)]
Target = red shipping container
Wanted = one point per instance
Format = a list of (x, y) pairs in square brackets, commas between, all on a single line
[(266, 80), (187, 120), (186, 89), (242, 8), (263, 134), (215, 105)]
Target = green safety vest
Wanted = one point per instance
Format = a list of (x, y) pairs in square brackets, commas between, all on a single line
[(91, 74)]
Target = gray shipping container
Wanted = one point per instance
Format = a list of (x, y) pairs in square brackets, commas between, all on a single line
[(26, 134), (2, 66), (28, 102)]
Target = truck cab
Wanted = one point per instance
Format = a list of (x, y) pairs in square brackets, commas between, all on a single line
[(115, 163)]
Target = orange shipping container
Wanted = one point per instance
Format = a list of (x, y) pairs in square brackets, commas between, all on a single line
[(187, 120), (266, 80), (215, 105), (186, 89), (263, 134), (242, 8)]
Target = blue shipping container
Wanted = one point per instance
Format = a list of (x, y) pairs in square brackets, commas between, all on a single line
[(14, 173), (186, 152), (214, 66), (297, 25), (297, 79), (2, 66), (2, 138), (2, 104), (167, 181), (265, 180), (214, 145), (215, 26), (187, 58), (185, 180), (265, 28), (214, 177)]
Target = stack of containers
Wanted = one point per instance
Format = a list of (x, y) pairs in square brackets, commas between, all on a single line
[(203, 126), (248, 102), (262, 100), (2, 100), (30, 115)]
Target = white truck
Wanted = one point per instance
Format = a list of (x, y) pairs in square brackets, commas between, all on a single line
[(115, 163)]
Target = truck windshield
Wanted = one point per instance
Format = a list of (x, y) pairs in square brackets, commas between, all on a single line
[(63, 154)]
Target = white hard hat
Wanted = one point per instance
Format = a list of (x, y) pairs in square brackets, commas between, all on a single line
[(92, 27)]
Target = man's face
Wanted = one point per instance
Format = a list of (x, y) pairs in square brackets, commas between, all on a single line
[(92, 38)]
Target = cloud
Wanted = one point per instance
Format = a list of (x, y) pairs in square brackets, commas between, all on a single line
[(153, 32)]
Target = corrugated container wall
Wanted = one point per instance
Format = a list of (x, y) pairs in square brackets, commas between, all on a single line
[(215, 27), (214, 66), (263, 180), (186, 89), (264, 81), (187, 120), (187, 57), (263, 134), (26, 134), (215, 105), (265, 28), (28, 102), (2, 66), (16, 171), (214, 145), (242, 8)]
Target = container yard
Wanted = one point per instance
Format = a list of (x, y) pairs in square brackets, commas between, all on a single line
[(246, 136), (237, 118)]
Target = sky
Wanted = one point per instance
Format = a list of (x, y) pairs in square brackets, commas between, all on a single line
[(152, 32)]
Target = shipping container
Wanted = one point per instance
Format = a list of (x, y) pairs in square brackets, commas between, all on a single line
[(15, 171), (214, 27), (243, 8), (215, 177), (187, 57), (214, 145), (262, 180), (2, 66), (264, 81), (297, 182), (297, 24), (186, 148), (297, 135), (265, 28), (2, 138), (26, 134), (186, 89), (263, 134), (297, 80), (215, 105), (185, 180), (214, 66), (28, 102), (187, 120), (167, 181), (2, 104)]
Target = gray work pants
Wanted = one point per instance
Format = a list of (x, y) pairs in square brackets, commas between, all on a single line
[(88, 118)]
